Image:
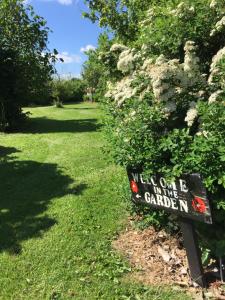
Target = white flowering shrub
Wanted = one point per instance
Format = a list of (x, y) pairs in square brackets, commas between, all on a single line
[(167, 26), (167, 107)]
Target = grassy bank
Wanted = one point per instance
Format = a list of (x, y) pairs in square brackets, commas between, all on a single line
[(60, 208)]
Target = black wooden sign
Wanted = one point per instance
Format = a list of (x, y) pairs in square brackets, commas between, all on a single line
[(185, 197)]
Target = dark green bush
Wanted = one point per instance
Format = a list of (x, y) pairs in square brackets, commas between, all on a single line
[(24, 71)]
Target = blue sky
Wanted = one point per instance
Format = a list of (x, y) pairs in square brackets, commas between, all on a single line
[(72, 34)]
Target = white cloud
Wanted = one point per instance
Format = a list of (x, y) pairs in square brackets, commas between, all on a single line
[(65, 2), (62, 2), (69, 58), (87, 48)]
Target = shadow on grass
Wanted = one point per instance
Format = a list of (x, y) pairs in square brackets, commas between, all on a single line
[(44, 125), (26, 190), (80, 108), (6, 151)]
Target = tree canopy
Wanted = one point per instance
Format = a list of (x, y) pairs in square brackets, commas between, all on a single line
[(26, 65)]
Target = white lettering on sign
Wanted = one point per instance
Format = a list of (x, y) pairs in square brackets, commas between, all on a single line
[(167, 202), (172, 186), (157, 190), (159, 199), (148, 197), (183, 205), (183, 186), (175, 194), (153, 181), (174, 203), (162, 183), (135, 176), (142, 180), (163, 194), (153, 200)]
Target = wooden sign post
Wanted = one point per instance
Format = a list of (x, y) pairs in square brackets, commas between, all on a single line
[(187, 198), (193, 252)]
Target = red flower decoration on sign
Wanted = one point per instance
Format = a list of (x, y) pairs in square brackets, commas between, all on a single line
[(134, 187), (199, 205)]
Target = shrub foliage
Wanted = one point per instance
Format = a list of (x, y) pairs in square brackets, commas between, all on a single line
[(166, 95)]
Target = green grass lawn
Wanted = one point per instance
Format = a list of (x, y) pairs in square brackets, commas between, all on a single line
[(61, 206)]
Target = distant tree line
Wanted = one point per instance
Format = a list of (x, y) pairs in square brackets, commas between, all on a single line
[(67, 91)]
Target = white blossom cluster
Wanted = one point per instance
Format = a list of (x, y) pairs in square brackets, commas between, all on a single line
[(126, 62), (217, 5), (192, 114), (213, 4), (182, 10), (148, 18), (167, 80), (118, 48), (191, 61), (217, 58), (220, 25), (163, 75), (121, 91), (214, 96), (215, 69)]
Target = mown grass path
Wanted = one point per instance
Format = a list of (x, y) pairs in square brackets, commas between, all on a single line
[(60, 208)]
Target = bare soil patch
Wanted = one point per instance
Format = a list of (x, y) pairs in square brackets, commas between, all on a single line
[(158, 258)]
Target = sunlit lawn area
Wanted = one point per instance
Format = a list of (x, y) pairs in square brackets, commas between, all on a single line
[(61, 205)]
